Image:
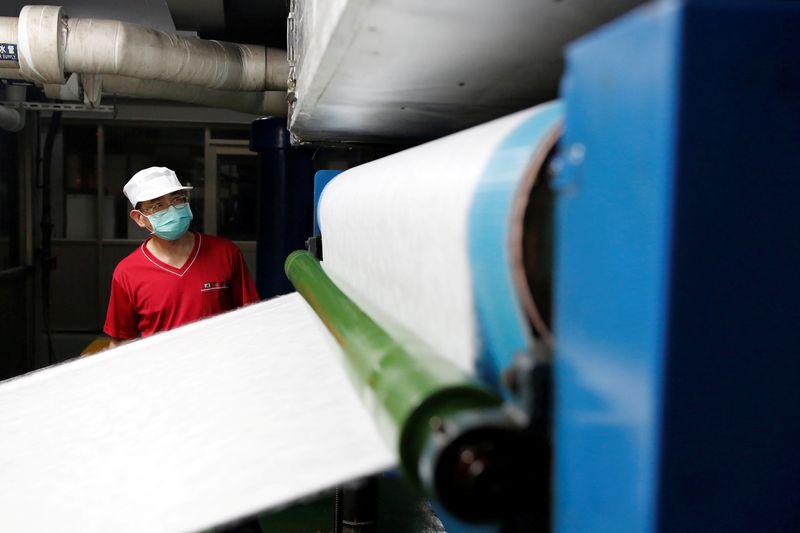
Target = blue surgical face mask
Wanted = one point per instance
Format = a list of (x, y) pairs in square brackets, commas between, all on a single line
[(171, 223)]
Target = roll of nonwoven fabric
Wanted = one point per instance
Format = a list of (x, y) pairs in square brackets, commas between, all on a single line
[(417, 237)]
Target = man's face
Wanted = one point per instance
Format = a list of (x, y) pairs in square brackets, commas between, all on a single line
[(156, 205)]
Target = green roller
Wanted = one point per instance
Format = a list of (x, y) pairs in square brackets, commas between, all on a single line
[(412, 390)]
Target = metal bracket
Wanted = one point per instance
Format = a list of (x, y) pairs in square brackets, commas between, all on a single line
[(314, 246), (530, 381), (49, 106)]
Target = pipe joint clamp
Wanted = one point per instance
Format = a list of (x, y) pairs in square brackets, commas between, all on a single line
[(42, 37)]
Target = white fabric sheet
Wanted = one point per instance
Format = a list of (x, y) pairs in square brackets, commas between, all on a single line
[(187, 429)]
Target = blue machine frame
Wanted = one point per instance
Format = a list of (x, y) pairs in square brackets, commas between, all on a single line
[(677, 265)]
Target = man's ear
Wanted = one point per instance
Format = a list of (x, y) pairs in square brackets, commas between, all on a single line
[(139, 218)]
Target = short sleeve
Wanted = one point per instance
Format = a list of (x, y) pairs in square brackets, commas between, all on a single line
[(121, 318)]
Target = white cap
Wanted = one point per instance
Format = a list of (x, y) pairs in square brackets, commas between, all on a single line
[(151, 183)]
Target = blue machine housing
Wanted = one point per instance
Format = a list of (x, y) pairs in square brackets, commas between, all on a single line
[(676, 277)]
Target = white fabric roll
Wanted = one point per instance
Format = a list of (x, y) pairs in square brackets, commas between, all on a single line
[(395, 238)]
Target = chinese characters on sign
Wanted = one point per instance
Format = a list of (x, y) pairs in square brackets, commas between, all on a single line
[(8, 52)]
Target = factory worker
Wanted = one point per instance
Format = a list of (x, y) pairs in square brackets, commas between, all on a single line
[(176, 276)]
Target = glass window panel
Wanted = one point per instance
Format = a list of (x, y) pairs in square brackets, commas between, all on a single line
[(80, 181), (237, 196)]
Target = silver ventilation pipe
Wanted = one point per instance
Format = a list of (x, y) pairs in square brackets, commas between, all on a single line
[(125, 58)]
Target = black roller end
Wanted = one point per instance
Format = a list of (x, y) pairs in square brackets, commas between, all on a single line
[(490, 472)]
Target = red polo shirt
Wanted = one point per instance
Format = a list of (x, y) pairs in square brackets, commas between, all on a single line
[(148, 296)]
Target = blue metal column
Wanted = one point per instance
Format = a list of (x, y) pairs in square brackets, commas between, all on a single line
[(286, 194), (677, 268)]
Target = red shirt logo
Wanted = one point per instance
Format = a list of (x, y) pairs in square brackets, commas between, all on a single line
[(214, 285)]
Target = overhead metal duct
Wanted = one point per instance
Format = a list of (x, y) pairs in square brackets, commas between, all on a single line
[(50, 46)]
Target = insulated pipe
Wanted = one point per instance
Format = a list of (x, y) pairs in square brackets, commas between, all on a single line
[(261, 103), (51, 45), (11, 119), (125, 49), (41, 41), (10, 73), (453, 440), (8, 29)]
